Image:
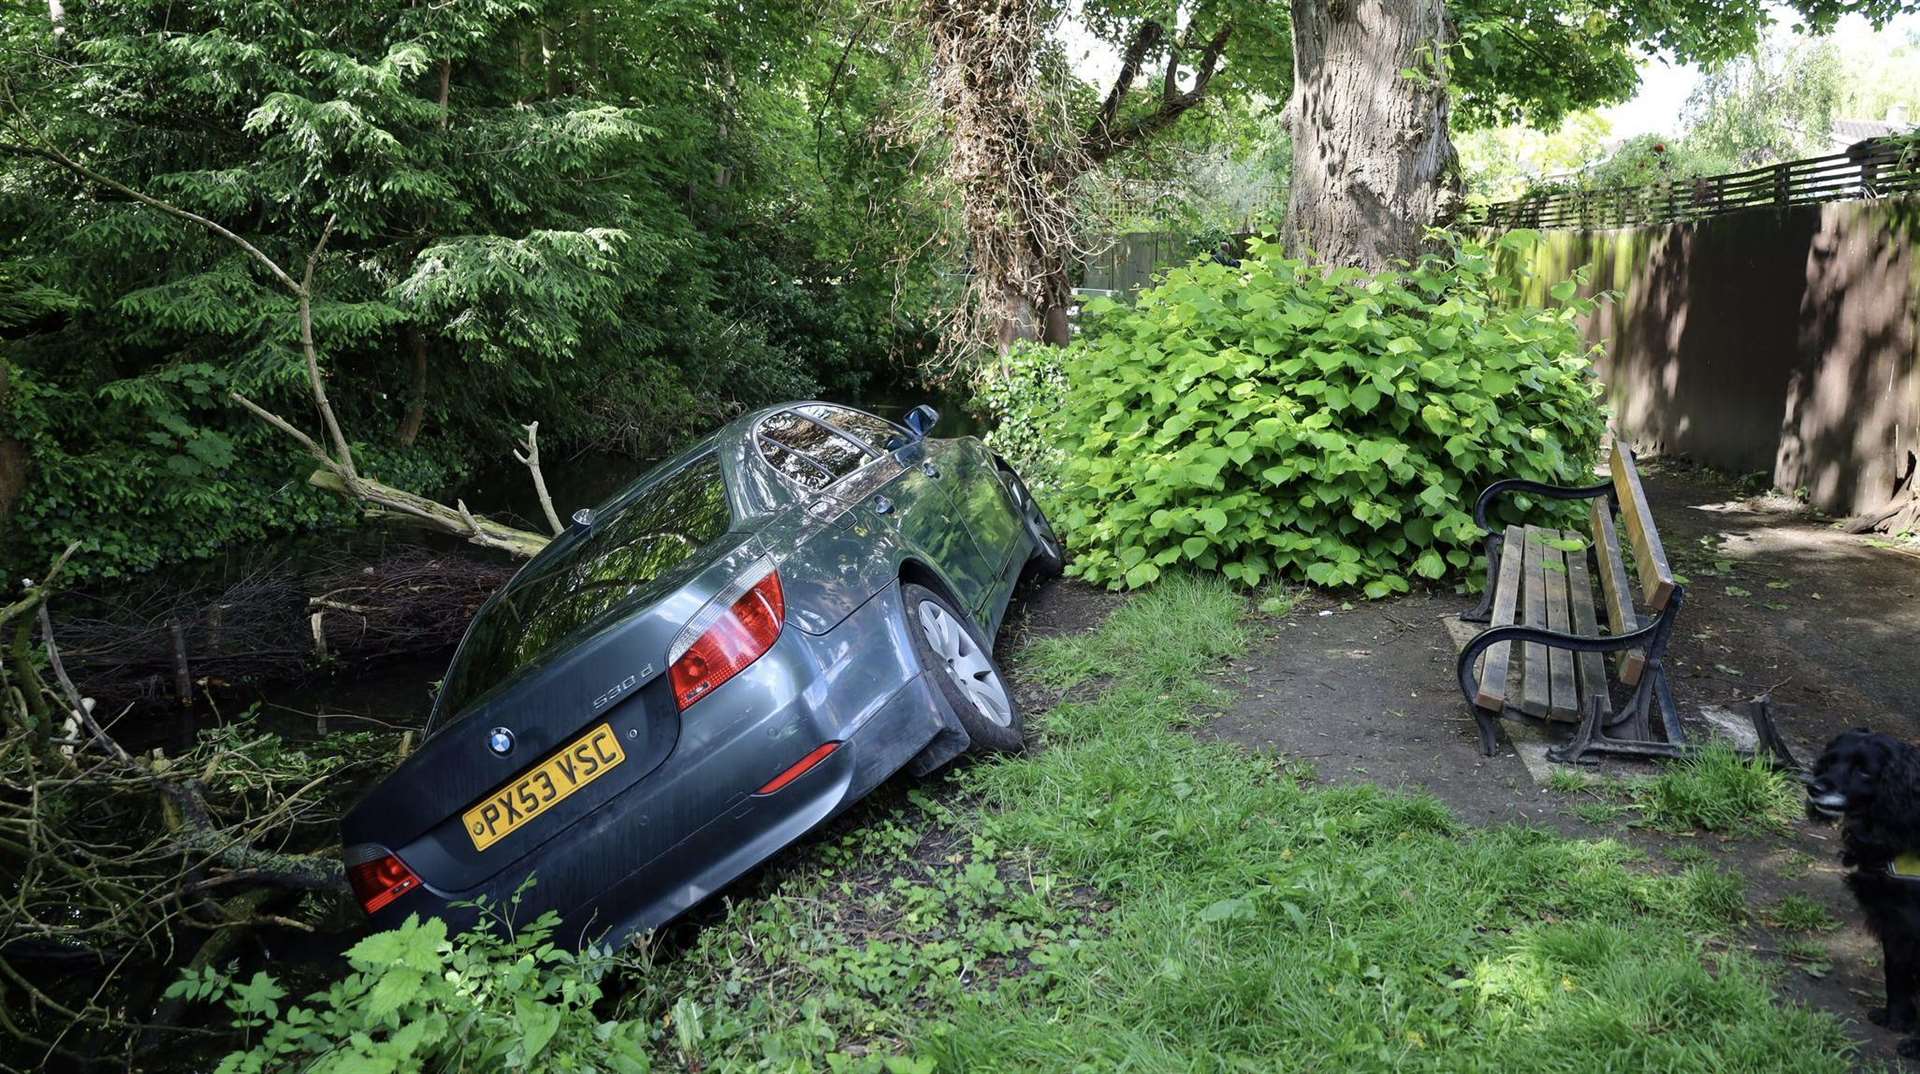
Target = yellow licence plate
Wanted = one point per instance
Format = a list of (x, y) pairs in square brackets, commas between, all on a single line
[(515, 805)]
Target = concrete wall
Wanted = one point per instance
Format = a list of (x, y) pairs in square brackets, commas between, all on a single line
[(1770, 341)]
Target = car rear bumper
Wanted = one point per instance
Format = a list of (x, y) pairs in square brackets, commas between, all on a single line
[(696, 823), (728, 846)]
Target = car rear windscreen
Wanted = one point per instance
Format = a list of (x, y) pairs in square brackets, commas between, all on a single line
[(629, 556)]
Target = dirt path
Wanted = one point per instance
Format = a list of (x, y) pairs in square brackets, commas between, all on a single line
[(1365, 691)]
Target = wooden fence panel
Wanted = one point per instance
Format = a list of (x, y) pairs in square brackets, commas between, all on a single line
[(1873, 168)]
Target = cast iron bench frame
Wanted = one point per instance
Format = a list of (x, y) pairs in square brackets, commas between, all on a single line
[(1563, 672)]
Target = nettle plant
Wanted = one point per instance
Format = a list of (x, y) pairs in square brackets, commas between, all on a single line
[(1277, 419), (496, 998), (1015, 394)]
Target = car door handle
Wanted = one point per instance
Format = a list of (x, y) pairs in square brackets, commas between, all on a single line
[(929, 469), (882, 505)]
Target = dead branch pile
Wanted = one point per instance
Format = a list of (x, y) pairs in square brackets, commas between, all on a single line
[(407, 603), (269, 625), (119, 868)]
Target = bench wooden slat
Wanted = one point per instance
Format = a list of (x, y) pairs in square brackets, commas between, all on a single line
[(1536, 697), (1563, 704), (1656, 578), (1506, 594), (1593, 670), (1613, 585)]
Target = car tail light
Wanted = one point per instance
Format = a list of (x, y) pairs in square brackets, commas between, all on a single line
[(736, 628), (799, 769), (380, 881)]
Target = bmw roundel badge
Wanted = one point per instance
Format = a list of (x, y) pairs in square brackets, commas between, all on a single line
[(500, 741)]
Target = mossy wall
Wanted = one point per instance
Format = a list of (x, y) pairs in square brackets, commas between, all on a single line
[(1777, 342)]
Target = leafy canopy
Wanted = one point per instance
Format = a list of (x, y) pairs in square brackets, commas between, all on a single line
[(1539, 61), (625, 220), (1278, 421)]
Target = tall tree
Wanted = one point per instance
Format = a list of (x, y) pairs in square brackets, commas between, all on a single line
[(561, 210), (1372, 164), (1405, 70), (1021, 132)]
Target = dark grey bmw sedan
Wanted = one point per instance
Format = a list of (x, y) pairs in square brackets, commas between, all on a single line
[(740, 644)]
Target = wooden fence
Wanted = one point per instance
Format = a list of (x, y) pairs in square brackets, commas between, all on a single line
[(1872, 169), (1127, 263)]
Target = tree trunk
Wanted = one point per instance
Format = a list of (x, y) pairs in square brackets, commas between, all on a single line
[(1373, 167), (13, 458), (416, 414), (1018, 222)]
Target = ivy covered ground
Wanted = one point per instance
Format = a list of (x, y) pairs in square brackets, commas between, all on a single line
[(1131, 896)]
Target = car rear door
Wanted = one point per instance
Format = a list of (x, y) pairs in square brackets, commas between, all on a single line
[(897, 487)]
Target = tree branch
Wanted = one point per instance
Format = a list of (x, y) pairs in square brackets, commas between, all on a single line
[(343, 454), (1104, 143), (1147, 36), (1170, 78), (531, 460), (284, 426), (55, 156)]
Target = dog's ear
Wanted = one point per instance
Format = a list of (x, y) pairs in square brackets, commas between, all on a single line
[(1878, 753)]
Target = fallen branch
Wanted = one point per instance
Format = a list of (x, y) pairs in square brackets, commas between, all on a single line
[(531, 460), (388, 502)]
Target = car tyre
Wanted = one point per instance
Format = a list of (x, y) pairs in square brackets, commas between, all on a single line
[(1049, 556), (959, 657)]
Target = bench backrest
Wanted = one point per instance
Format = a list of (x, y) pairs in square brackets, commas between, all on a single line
[(1656, 578)]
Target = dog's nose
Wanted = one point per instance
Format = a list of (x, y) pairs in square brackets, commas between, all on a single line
[(1819, 788)]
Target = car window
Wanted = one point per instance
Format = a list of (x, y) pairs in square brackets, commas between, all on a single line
[(836, 455), (633, 553), (798, 468), (877, 433)]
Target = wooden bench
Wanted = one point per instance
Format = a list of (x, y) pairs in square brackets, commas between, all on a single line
[(1541, 609)]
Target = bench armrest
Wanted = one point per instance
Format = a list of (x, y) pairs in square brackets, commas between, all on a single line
[(1468, 664), (1520, 484)]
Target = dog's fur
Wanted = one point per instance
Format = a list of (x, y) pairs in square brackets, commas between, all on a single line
[(1872, 782)]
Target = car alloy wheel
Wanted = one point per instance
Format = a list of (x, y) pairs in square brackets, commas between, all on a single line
[(966, 663), (1046, 544)]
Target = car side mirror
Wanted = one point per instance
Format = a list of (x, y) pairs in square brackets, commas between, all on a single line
[(921, 420)]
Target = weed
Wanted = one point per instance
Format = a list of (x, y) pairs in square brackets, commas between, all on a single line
[(1798, 913), (1710, 898), (1686, 855), (1720, 791), (1796, 863), (1278, 600), (1568, 781), (1599, 813), (1805, 949)]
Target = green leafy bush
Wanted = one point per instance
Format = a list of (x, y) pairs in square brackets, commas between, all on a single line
[(1015, 394), (417, 1000), (1280, 419)]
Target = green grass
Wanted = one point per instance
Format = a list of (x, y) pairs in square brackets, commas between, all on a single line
[(1128, 897), (1798, 913), (1685, 855), (1720, 791), (1715, 789), (1564, 780)]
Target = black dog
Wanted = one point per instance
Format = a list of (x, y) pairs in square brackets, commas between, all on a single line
[(1872, 782)]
